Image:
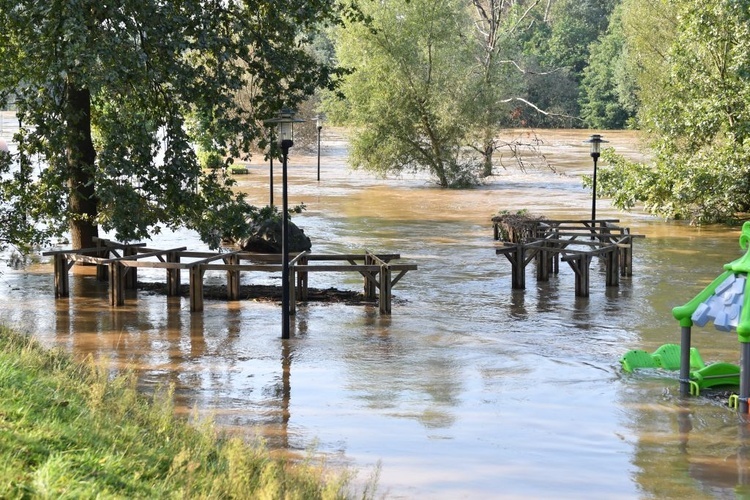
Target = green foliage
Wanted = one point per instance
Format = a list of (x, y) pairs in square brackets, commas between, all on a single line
[(696, 116), (114, 99), (560, 40), (711, 186), (503, 82), (406, 92), (606, 100), (649, 28), (72, 430)]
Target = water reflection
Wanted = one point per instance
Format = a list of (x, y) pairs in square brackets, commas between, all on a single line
[(470, 389)]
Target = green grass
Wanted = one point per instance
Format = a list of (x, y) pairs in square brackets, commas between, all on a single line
[(70, 430)]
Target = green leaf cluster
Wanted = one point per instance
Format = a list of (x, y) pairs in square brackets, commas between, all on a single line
[(433, 82), (695, 110), (116, 98), (406, 91)]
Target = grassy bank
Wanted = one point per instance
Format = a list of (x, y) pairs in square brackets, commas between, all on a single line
[(69, 430)]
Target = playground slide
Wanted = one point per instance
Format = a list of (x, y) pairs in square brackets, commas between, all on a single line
[(667, 357)]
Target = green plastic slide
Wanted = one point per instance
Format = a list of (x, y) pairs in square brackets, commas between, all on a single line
[(713, 375), (666, 357)]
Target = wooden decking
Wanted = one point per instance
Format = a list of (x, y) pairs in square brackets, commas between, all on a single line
[(576, 242), (118, 263)]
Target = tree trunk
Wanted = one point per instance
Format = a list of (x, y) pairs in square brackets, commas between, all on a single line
[(80, 157), (488, 145), (489, 149)]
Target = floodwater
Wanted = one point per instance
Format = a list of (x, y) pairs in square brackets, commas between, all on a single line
[(469, 389)]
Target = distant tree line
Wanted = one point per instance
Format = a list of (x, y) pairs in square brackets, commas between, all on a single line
[(434, 81)]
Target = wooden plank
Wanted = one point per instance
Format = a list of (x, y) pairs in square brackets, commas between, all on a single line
[(298, 257), (331, 257), (572, 253), (73, 252), (131, 274), (302, 277), (116, 285), (343, 268), (375, 259), (588, 243), (62, 283), (580, 267), (212, 258), (154, 265), (233, 278), (292, 293), (299, 267), (153, 253), (196, 288), (271, 268), (518, 269), (371, 283), (386, 257), (173, 274), (612, 267), (114, 244), (102, 273), (385, 290), (543, 264), (85, 259), (582, 229), (573, 221)]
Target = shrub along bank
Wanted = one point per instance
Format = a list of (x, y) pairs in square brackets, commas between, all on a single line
[(69, 429)]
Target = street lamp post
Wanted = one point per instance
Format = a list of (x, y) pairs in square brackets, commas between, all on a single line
[(285, 139), (319, 125), (270, 181), (596, 142)]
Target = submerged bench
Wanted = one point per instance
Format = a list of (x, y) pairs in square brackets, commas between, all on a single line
[(117, 263), (555, 240)]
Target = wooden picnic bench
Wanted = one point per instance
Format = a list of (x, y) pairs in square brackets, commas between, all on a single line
[(119, 263), (555, 240)]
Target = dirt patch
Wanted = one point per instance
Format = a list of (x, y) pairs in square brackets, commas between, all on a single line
[(265, 293)]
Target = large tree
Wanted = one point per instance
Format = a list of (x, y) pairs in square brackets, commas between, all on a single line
[(114, 97), (499, 83), (696, 112), (405, 97)]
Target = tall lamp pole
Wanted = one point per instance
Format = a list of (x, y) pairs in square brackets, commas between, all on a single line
[(319, 125), (285, 120), (270, 181), (595, 141)]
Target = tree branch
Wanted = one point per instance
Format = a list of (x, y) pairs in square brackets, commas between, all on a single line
[(538, 109)]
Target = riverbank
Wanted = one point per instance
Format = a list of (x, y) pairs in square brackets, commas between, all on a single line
[(70, 430)]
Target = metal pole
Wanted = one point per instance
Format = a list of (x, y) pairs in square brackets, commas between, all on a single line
[(319, 129), (284, 249), (685, 361), (744, 378), (270, 202), (593, 194)]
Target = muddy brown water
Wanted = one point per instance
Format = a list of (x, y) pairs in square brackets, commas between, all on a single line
[(469, 389)]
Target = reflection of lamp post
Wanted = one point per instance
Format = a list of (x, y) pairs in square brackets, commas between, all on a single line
[(285, 120), (286, 391), (319, 125), (595, 141)]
